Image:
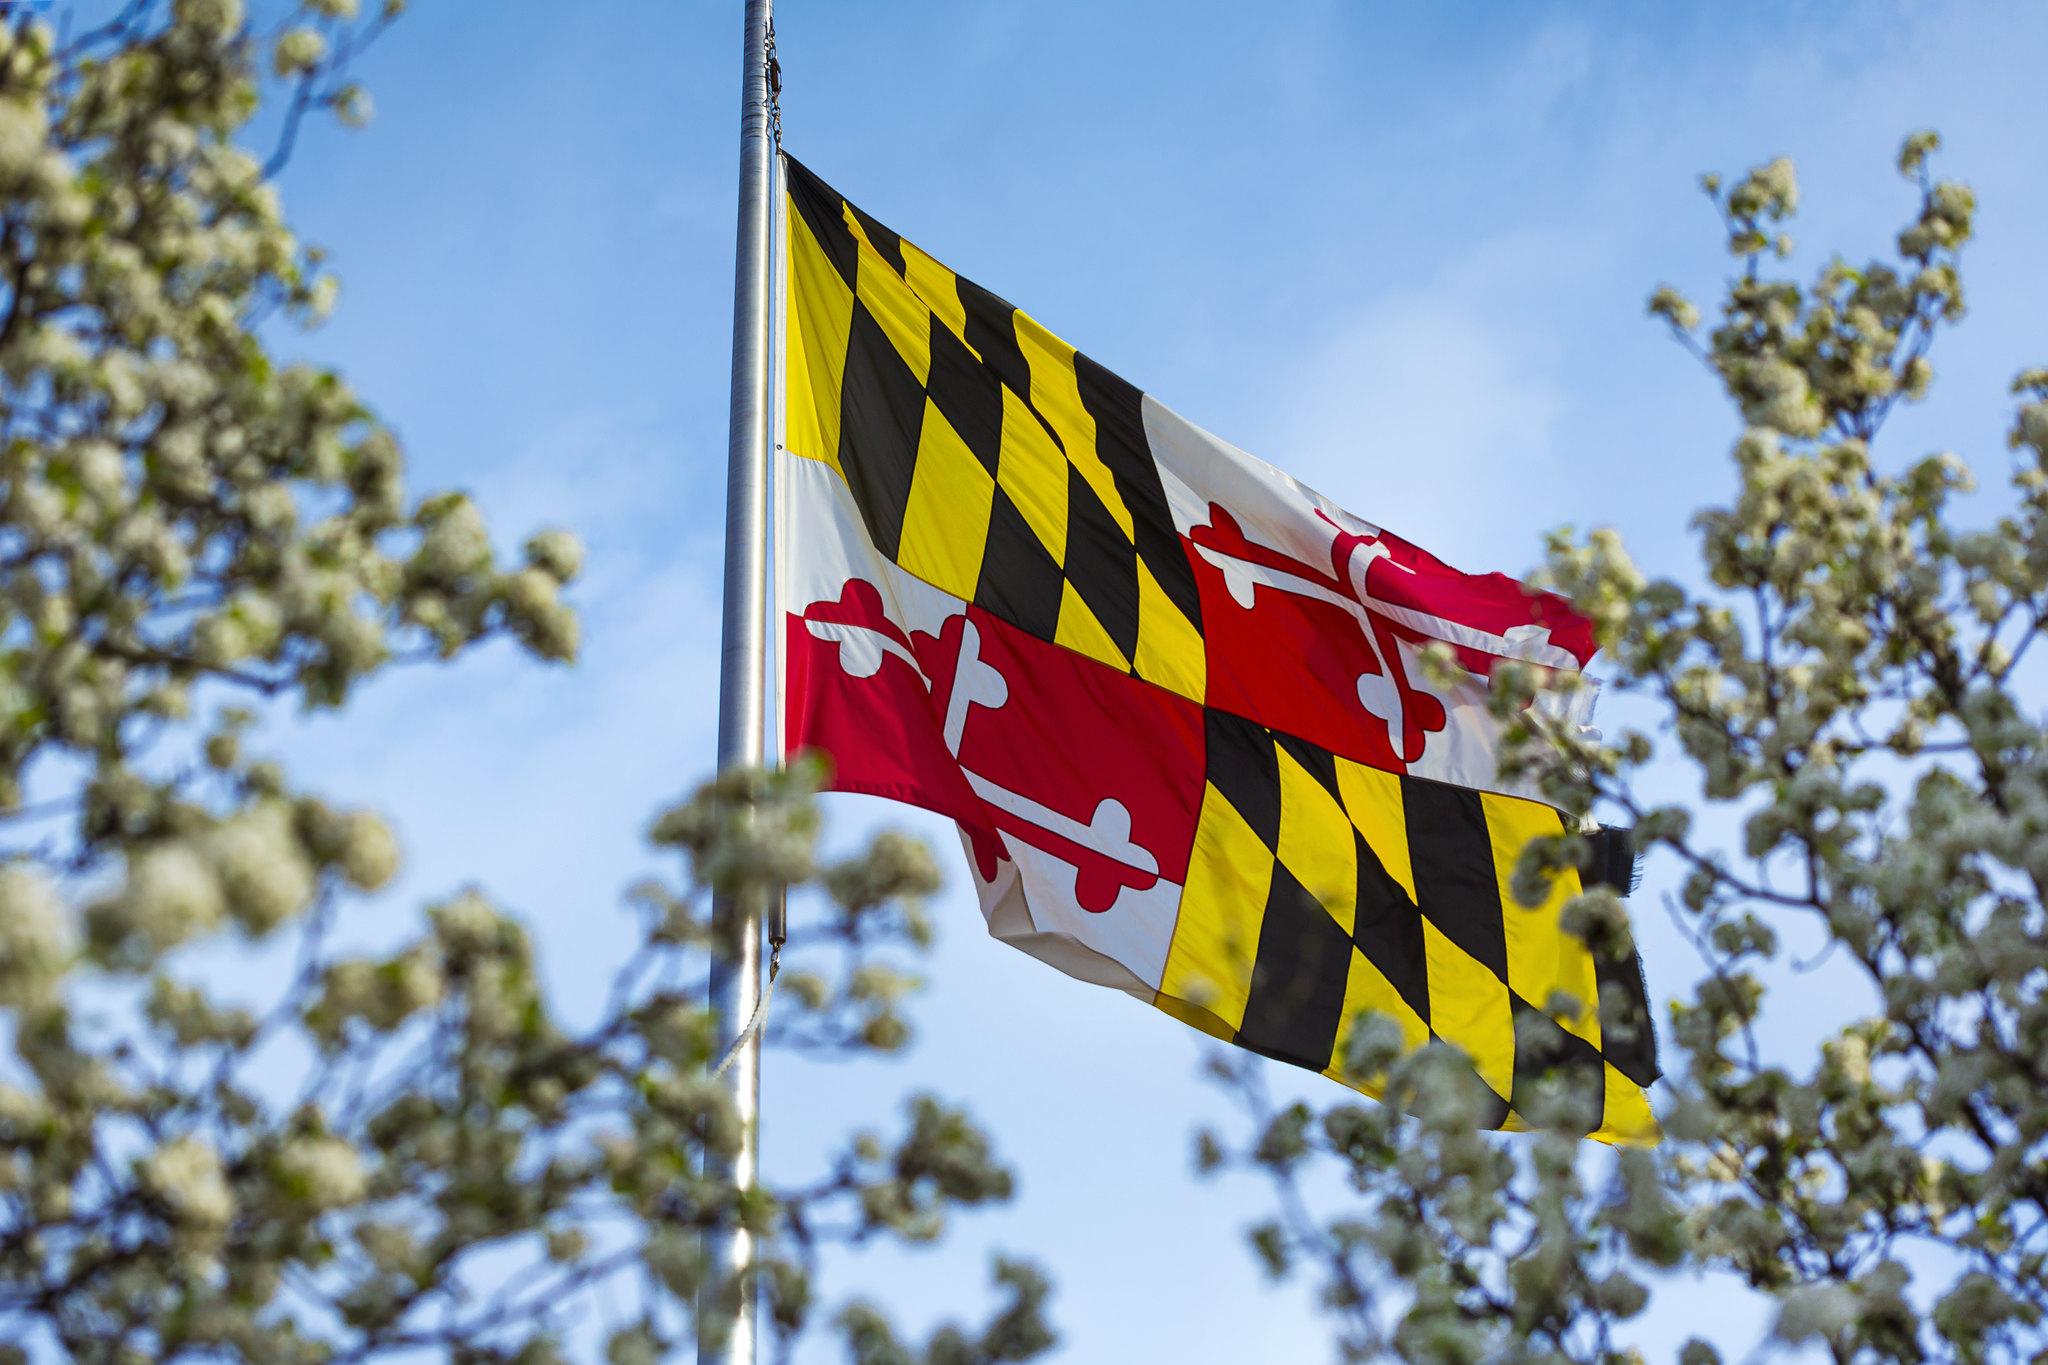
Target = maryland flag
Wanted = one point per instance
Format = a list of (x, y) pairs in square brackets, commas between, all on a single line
[(1172, 697)]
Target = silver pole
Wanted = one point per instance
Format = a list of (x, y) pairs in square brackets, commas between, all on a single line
[(727, 1330)]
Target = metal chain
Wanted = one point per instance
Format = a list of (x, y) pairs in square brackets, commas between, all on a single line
[(774, 89)]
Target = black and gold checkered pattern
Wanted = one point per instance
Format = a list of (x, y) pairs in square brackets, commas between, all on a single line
[(987, 457), (1320, 889)]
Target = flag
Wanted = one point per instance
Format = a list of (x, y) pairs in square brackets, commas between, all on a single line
[(1173, 698)]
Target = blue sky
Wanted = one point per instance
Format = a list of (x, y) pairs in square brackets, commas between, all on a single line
[(1400, 250)]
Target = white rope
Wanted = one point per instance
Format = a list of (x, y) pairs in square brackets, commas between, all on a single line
[(760, 1016)]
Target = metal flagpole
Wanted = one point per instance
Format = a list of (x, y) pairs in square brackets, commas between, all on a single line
[(726, 1330)]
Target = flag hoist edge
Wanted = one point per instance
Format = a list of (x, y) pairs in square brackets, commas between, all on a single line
[(1173, 698)]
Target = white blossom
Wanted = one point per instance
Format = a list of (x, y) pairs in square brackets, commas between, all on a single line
[(323, 1171), (558, 552), (35, 936), (1814, 1310), (297, 51), (186, 1175), (172, 895), (23, 125), (216, 18), (261, 866), (369, 851), (455, 544)]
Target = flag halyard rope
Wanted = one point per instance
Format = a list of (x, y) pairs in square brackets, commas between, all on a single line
[(759, 1017), (774, 68)]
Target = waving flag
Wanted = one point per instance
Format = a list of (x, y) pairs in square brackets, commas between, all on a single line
[(1172, 697)]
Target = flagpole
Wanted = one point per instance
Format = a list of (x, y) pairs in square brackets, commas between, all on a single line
[(726, 1331)]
